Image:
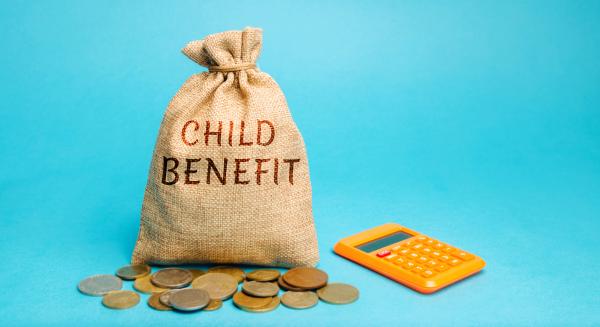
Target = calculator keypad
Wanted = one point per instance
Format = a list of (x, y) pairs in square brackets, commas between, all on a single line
[(424, 256)]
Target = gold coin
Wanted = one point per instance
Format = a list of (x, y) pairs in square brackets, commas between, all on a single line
[(218, 285), (235, 272), (172, 278), (214, 305), (299, 300), (144, 285), (99, 285), (154, 303), (269, 307), (263, 275), (287, 286), (120, 299), (307, 278), (132, 272), (260, 289), (244, 301), (338, 293), (196, 273)]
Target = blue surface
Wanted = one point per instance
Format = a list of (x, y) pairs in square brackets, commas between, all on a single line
[(475, 122)]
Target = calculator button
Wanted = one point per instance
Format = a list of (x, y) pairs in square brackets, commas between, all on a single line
[(439, 245), (441, 267), (418, 269), (409, 243), (421, 238), (413, 255), (431, 263), (399, 261), (383, 253), (462, 255), (396, 248), (423, 259), (435, 254), (454, 262), (404, 252), (427, 273), (408, 265), (426, 251), (444, 258), (390, 257), (448, 249), (430, 242), (417, 246)]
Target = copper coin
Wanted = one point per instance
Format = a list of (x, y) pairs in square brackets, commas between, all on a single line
[(338, 293), (99, 285), (260, 289), (189, 299), (299, 300), (144, 285), (196, 273), (263, 275), (120, 299), (287, 286), (218, 285), (235, 272), (307, 278), (244, 301), (154, 303), (172, 278), (132, 272), (214, 305)]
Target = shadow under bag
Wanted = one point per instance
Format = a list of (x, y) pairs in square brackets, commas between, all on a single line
[(229, 179)]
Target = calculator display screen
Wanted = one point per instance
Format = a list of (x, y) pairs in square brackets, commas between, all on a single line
[(384, 241)]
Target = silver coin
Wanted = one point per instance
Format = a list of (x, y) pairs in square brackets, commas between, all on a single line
[(260, 289), (165, 297), (98, 285), (189, 299)]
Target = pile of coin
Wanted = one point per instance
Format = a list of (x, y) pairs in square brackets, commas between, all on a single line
[(188, 290)]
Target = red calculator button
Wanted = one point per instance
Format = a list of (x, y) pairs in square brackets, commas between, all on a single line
[(383, 253)]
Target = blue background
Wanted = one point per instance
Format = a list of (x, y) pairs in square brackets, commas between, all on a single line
[(476, 122)]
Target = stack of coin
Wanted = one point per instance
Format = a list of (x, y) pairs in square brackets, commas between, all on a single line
[(194, 290)]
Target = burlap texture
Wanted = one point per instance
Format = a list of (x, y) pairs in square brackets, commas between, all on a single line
[(241, 211)]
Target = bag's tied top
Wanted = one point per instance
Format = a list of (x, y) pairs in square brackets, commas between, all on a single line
[(228, 51)]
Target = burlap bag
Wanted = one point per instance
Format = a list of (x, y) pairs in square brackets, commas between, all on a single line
[(229, 179)]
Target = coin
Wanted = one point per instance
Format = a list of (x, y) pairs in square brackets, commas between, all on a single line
[(172, 278), (166, 296), (260, 289), (99, 285), (189, 299), (144, 285), (287, 286), (121, 299), (299, 300), (235, 272), (154, 303), (196, 273), (269, 307), (132, 272), (338, 293), (244, 301), (213, 305), (218, 285), (263, 275), (306, 277)]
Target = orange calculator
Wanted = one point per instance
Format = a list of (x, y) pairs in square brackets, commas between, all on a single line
[(413, 259)]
